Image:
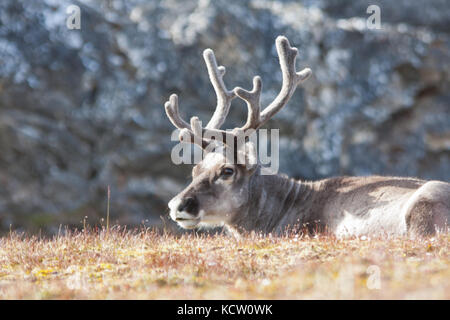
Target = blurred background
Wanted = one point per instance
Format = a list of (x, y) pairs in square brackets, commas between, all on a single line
[(83, 109)]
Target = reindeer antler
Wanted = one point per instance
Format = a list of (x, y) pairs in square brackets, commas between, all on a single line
[(291, 79), (255, 118), (252, 98), (224, 97), (173, 114)]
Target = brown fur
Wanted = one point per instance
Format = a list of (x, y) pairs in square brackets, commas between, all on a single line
[(341, 205)]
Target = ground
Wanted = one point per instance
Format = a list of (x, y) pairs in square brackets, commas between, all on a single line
[(143, 264)]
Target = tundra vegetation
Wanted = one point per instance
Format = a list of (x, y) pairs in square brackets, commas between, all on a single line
[(144, 264)]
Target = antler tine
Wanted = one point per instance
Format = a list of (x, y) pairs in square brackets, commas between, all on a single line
[(173, 114), (196, 126), (200, 132), (252, 98), (224, 96), (192, 138), (291, 78)]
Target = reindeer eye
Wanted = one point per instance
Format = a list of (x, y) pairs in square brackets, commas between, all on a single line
[(226, 172)]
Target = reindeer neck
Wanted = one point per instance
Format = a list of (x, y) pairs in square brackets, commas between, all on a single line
[(276, 202)]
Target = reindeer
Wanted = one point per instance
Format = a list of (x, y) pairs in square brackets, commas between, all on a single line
[(238, 196)]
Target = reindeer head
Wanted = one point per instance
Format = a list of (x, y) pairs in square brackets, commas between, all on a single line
[(222, 181)]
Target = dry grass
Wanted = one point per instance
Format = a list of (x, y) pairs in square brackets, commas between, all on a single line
[(146, 265)]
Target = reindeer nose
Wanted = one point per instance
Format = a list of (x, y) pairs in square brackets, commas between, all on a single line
[(188, 205)]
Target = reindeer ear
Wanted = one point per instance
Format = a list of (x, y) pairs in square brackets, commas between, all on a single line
[(247, 155)]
